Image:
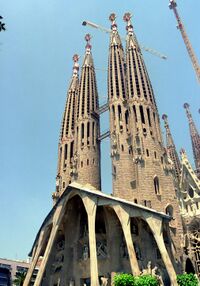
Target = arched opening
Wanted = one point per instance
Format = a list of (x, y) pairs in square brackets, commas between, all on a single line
[(189, 268), (169, 210)]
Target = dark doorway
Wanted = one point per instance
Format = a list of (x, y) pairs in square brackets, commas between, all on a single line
[(189, 268)]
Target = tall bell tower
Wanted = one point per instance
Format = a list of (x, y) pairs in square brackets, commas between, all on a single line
[(66, 146), (121, 152), (88, 126)]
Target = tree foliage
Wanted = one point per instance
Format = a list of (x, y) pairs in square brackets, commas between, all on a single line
[(20, 277), (124, 279), (187, 280), (146, 280)]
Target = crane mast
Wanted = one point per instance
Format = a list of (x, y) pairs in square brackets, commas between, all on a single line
[(180, 26)]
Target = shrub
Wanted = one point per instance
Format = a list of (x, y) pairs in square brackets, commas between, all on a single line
[(124, 280), (187, 280), (146, 280)]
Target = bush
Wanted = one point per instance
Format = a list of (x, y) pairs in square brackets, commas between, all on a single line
[(187, 280), (146, 280), (124, 280)]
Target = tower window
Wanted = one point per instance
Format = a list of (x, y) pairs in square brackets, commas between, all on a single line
[(142, 114), (63, 184), (119, 112), (65, 156), (126, 117), (81, 164), (155, 155), (147, 151), (156, 185), (87, 161), (71, 149), (122, 147), (149, 117), (82, 130), (93, 132), (135, 113), (113, 111)]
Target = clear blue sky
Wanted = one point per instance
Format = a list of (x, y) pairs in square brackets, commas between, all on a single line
[(35, 62)]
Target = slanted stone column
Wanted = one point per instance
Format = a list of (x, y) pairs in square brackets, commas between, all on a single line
[(155, 225), (36, 255), (125, 222), (91, 206), (58, 215)]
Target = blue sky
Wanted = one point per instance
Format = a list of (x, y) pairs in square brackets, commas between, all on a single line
[(36, 65)]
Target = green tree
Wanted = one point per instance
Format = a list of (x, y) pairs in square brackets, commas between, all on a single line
[(20, 277), (124, 279), (146, 280), (187, 280)]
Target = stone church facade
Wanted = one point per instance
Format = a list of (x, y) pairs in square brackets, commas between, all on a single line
[(147, 221)]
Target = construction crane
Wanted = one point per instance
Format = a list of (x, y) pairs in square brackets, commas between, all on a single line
[(108, 31), (173, 6)]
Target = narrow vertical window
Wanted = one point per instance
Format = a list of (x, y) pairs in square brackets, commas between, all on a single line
[(113, 111), (126, 117), (156, 185), (82, 130), (119, 112), (135, 113), (71, 150), (93, 130), (149, 117), (88, 133), (142, 114), (65, 156)]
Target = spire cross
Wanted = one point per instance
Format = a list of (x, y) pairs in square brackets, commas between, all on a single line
[(76, 65), (127, 18), (88, 45), (112, 19)]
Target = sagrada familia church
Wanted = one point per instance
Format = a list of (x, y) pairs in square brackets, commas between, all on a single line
[(151, 221)]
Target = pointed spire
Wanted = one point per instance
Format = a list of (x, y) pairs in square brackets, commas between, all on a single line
[(171, 148), (195, 138), (67, 140)]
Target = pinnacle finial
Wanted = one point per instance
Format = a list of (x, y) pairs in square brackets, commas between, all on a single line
[(164, 117), (182, 151), (76, 65), (112, 19), (127, 18), (186, 105), (88, 45)]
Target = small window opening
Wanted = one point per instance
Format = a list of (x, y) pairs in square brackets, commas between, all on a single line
[(122, 147), (155, 155), (147, 151), (156, 185), (81, 164), (87, 161)]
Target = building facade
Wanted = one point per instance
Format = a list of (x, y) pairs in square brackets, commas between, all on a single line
[(89, 236)]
